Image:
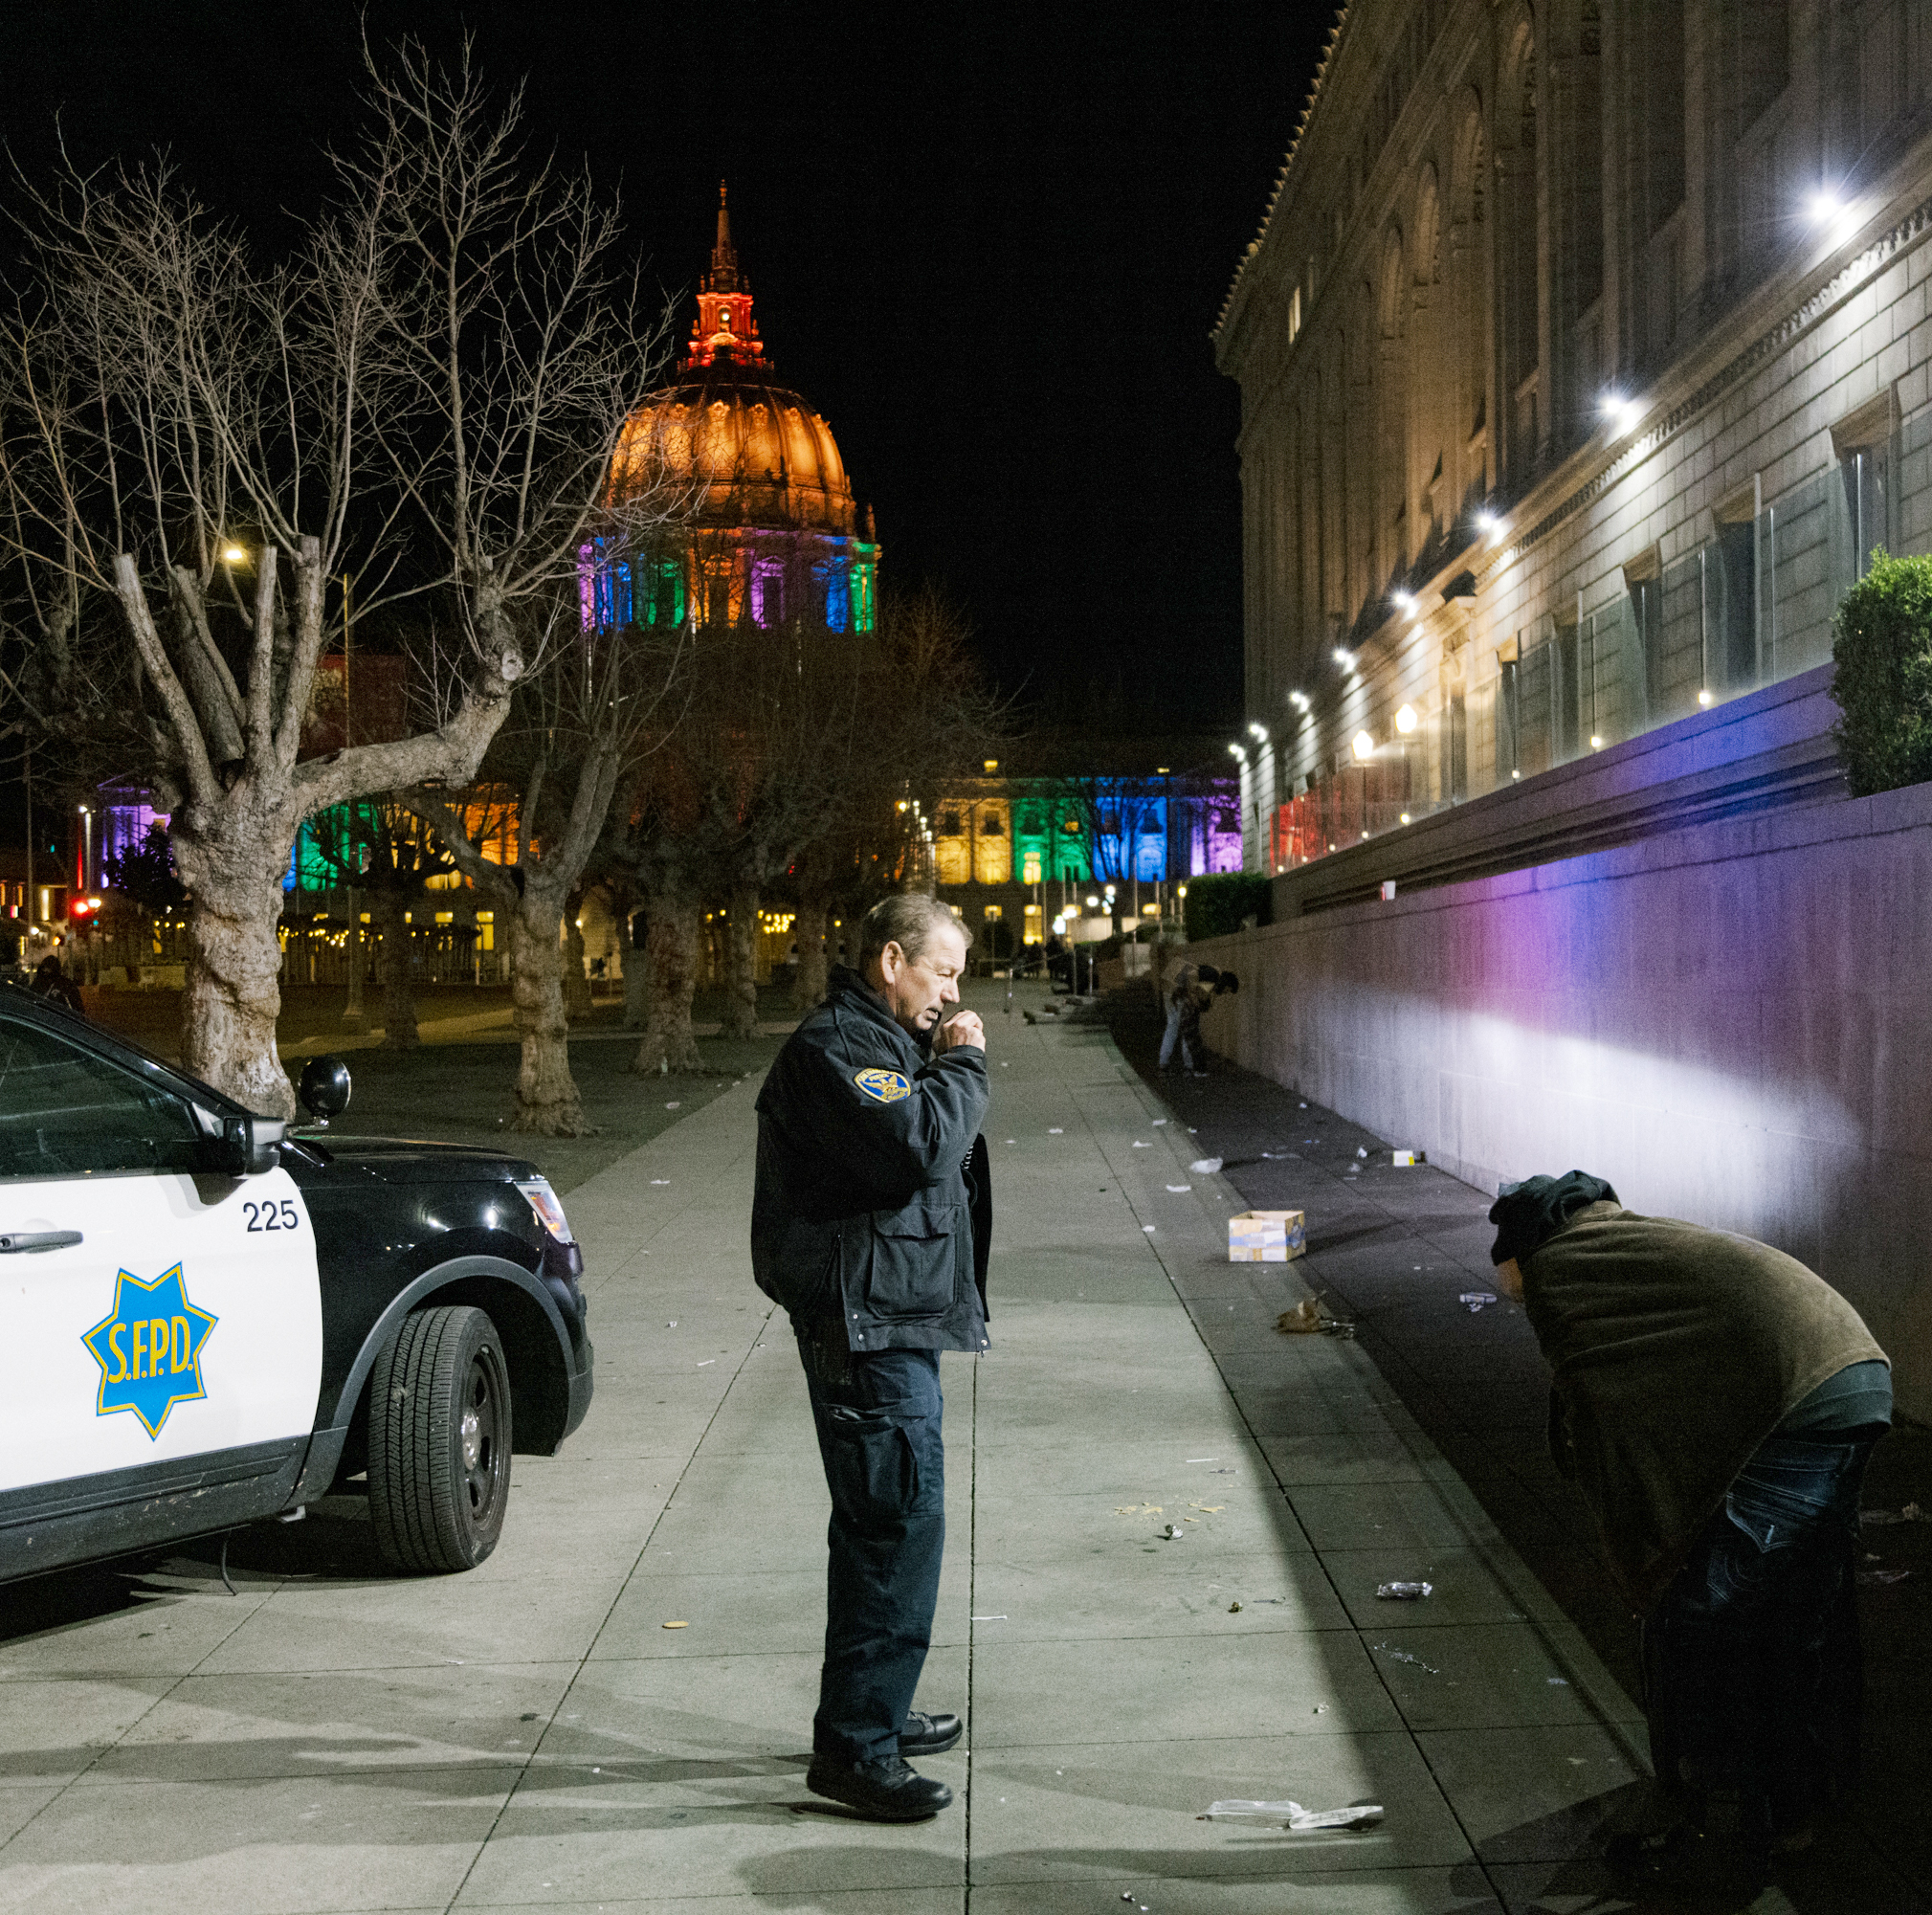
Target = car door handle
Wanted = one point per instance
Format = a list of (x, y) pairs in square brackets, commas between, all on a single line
[(38, 1239)]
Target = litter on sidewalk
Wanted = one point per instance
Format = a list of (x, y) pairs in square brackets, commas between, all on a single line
[(1876, 1518), (1404, 1160), (1305, 1319), (1474, 1300), (1266, 1237), (1404, 1592), (1395, 1654), (1293, 1816), (1203, 1166)]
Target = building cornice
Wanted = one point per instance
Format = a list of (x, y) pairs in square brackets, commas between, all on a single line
[(1781, 312), (1322, 70)]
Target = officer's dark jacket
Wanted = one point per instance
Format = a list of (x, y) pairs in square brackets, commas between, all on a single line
[(863, 1204)]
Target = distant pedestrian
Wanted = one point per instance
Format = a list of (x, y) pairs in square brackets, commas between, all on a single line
[(51, 981), (1180, 983), (1192, 998), (1714, 1403), (870, 1224)]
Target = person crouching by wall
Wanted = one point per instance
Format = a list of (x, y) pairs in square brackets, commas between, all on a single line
[(1714, 1403), (1180, 986)]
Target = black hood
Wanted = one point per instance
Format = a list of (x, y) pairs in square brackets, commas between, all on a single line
[(407, 1160)]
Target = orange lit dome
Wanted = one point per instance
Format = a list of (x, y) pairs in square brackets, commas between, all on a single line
[(760, 454)]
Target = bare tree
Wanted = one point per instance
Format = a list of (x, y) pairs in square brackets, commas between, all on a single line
[(794, 765), (195, 446), (580, 728), (381, 849)]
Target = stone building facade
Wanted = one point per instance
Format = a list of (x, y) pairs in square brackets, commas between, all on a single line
[(1583, 358)]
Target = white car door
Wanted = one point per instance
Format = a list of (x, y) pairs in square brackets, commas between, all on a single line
[(149, 1311)]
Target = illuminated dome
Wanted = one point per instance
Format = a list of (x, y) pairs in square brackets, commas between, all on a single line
[(761, 456)]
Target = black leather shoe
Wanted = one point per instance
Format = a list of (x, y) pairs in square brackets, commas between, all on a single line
[(882, 1792), (929, 1735)]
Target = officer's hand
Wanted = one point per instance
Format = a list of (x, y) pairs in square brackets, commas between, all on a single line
[(965, 1027)]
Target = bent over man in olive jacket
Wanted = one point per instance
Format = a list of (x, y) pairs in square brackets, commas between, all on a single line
[(870, 1175)]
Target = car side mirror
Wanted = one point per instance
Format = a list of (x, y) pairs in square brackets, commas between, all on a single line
[(251, 1146), (324, 1089)]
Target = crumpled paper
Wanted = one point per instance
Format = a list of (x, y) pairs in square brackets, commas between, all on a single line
[(1293, 1816)]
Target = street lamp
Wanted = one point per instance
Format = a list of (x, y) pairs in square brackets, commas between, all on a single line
[(1365, 745), (1405, 719)]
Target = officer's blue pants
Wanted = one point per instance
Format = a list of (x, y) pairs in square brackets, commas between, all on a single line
[(878, 1416)]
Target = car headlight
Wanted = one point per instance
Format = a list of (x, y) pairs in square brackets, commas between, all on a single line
[(544, 1200)]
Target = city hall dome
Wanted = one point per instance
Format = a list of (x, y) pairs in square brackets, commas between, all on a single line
[(755, 452)]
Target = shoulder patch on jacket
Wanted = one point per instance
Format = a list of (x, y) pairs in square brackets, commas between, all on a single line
[(883, 1087)]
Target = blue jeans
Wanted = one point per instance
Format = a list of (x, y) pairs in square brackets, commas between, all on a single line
[(1752, 1674), (878, 1416)]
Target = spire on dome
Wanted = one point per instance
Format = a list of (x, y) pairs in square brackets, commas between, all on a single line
[(725, 328), (724, 256)]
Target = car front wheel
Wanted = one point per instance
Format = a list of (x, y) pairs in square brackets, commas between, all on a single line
[(439, 1440)]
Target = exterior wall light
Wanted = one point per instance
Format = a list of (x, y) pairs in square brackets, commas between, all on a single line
[(1239, 752), (1488, 524), (1345, 659), (1705, 696), (1405, 719), (1260, 731), (1404, 601), (1595, 742), (1405, 818), (1364, 745), (1621, 412)]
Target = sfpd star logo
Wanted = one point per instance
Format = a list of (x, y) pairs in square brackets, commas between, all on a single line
[(149, 1349)]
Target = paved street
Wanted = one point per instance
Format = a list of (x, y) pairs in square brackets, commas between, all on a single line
[(533, 1734)]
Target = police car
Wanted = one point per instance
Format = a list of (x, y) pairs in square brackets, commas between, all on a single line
[(207, 1318)]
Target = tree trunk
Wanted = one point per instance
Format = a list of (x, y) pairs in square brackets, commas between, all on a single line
[(233, 997), (548, 1104), (636, 979), (741, 964), (812, 929), (399, 997), (672, 951), (576, 979), (353, 1017)]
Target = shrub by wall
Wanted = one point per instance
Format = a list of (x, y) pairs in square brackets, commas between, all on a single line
[(1881, 643), (1217, 905)]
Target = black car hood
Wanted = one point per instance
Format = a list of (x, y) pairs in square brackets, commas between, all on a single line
[(407, 1160)]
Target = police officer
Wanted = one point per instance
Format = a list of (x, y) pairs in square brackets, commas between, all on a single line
[(871, 1179)]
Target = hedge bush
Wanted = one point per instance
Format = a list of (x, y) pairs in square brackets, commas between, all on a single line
[(1217, 905), (1881, 643)]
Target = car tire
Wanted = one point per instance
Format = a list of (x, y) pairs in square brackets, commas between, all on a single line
[(439, 1440)]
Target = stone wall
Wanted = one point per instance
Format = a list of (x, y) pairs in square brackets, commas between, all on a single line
[(1732, 1022)]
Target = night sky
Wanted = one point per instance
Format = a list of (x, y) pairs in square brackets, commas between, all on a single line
[(987, 242)]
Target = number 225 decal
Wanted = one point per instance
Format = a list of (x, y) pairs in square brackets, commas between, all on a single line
[(272, 1216)]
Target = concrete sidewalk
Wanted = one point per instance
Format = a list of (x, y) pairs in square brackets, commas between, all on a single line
[(533, 1734)]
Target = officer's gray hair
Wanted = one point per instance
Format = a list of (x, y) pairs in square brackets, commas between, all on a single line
[(907, 919)]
